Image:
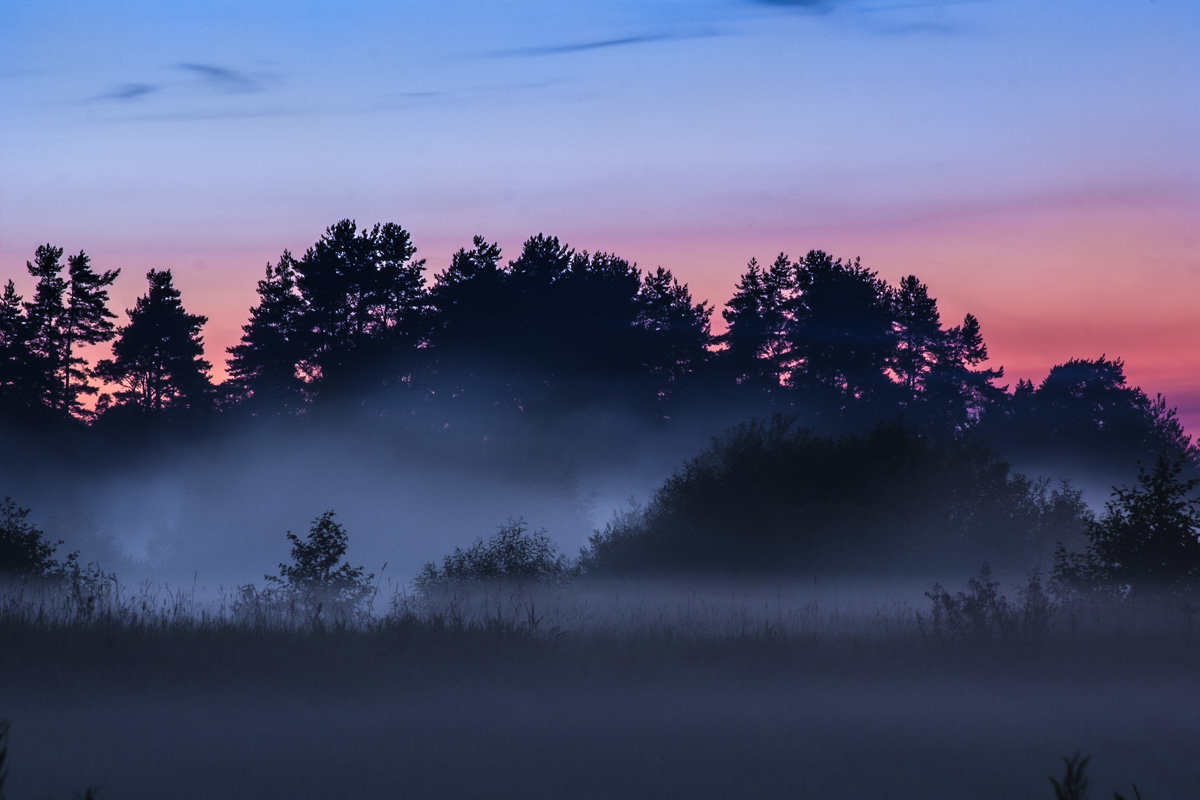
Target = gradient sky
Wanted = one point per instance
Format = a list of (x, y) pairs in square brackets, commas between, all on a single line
[(1034, 162)]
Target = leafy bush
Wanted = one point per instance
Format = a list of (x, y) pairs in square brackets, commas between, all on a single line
[(25, 553), (984, 613), (1147, 539), (513, 553), (24, 550), (772, 495), (315, 581)]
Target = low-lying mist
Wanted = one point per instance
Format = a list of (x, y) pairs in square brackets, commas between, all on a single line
[(214, 509), (208, 505), (602, 688)]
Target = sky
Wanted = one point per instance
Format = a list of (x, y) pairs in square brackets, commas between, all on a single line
[(1033, 162)]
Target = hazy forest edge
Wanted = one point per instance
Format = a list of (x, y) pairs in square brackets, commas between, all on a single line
[(855, 429)]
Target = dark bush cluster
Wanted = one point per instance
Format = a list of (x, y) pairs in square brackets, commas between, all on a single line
[(27, 555), (1147, 540), (24, 550), (984, 613), (513, 553), (778, 496), (318, 584)]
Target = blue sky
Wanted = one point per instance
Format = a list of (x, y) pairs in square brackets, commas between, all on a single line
[(1032, 161)]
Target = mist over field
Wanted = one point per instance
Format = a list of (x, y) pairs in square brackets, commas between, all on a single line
[(633, 689), (215, 508), (211, 511)]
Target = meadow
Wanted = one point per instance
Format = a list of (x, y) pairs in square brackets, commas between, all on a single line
[(823, 688)]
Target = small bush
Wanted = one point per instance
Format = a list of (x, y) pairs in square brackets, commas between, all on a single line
[(315, 582), (513, 553), (984, 613), (24, 550), (27, 556)]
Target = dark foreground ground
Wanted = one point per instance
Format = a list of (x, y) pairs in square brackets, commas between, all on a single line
[(411, 711)]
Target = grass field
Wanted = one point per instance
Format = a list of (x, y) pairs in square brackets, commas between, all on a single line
[(593, 690)]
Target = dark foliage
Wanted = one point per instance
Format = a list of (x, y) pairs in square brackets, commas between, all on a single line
[(1074, 783), (158, 356), (24, 549), (984, 613), (757, 319), (831, 338), (557, 335), (40, 365), (842, 331), (558, 331), (319, 578), (362, 305), (1147, 539), (264, 367), (514, 553), (775, 495), (1085, 414), (26, 554), (17, 383)]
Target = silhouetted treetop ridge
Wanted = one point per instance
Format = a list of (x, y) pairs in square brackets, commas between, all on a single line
[(556, 333)]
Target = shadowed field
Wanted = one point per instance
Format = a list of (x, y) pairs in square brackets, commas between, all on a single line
[(420, 707)]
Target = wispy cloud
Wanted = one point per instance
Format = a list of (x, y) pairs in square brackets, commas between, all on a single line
[(131, 91), (583, 47), (224, 79), (206, 79)]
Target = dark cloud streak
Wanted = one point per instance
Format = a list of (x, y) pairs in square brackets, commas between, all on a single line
[(131, 91), (583, 47), (223, 79)]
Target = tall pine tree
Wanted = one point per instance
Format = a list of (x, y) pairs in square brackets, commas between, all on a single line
[(64, 315), (842, 333), (86, 320), (263, 367), (756, 337), (363, 300), (44, 317), (17, 379), (920, 340), (158, 357)]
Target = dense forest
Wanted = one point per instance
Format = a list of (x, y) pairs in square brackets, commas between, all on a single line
[(890, 428)]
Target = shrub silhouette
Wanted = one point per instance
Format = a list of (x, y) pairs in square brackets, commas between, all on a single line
[(513, 553), (26, 554), (24, 549), (1148, 538), (1074, 784), (315, 580), (777, 496), (983, 613)]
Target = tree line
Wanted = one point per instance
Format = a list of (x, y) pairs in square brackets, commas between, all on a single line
[(357, 320)]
